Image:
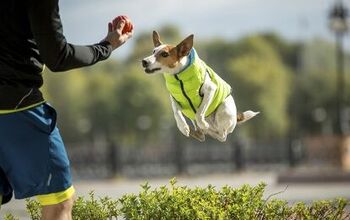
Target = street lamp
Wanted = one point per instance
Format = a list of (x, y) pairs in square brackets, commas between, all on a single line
[(339, 25)]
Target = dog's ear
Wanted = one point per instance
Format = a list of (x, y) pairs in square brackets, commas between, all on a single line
[(156, 39), (184, 48)]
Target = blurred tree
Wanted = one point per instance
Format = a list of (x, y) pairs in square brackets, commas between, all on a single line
[(288, 51), (84, 99), (67, 92), (142, 108), (260, 82), (315, 88), (217, 53)]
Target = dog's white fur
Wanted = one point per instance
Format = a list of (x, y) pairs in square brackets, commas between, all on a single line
[(218, 124)]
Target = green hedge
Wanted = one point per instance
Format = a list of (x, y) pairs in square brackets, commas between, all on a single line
[(181, 202)]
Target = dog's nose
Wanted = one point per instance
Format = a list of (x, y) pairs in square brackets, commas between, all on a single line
[(144, 63)]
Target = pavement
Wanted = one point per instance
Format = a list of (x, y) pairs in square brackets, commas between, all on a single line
[(292, 192)]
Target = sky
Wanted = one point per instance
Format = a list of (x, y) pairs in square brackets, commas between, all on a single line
[(85, 21)]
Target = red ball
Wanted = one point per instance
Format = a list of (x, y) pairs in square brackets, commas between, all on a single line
[(128, 27)]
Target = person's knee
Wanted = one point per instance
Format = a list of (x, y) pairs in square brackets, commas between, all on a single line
[(66, 205), (60, 208)]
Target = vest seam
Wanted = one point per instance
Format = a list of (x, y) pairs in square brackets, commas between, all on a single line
[(184, 93)]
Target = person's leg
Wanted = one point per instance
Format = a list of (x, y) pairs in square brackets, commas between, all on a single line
[(35, 160), (61, 211), (5, 192), (57, 205), (5, 187)]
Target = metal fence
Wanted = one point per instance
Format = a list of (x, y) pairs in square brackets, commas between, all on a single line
[(106, 160)]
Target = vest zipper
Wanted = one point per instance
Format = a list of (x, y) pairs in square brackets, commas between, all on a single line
[(184, 93)]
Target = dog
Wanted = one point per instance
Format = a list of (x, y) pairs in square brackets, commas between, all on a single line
[(196, 91)]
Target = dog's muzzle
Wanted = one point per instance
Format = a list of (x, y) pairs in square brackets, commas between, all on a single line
[(146, 64)]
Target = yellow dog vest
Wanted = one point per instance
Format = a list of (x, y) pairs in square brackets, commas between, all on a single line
[(185, 86)]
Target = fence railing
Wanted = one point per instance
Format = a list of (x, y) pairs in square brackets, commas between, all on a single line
[(110, 159)]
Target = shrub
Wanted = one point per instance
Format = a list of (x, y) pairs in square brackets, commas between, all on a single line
[(10, 217), (182, 202)]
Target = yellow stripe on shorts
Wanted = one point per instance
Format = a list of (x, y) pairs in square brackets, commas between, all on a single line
[(56, 198)]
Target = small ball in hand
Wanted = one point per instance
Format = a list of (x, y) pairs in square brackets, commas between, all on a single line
[(128, 27)]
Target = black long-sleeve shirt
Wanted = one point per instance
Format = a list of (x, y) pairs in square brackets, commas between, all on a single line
[(31, 35)]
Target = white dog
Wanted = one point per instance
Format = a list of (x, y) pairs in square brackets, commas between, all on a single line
[(196, 91)]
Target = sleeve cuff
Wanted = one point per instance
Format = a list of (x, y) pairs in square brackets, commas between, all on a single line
[(106, 44)]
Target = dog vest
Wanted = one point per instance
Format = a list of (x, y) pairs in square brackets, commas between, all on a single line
[(185, 86)]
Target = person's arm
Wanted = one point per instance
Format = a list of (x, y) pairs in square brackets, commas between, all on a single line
[(57, 54)]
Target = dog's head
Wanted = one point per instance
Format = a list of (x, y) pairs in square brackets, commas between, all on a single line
[(167, 58)]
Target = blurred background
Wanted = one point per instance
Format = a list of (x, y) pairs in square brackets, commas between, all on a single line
[(289, 60)]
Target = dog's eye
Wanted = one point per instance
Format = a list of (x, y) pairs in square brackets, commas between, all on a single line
[(164, 54)]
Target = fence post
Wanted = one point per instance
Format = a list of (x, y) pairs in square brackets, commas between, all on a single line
[(294, 151), (291, 156), (114, 158), (179, 156), (238, 154)]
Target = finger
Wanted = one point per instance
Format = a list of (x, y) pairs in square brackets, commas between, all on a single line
[(120, 26), (129, 34)]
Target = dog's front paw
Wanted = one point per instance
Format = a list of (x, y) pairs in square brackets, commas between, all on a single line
[(203, 124), (185, 129), (197, 134)]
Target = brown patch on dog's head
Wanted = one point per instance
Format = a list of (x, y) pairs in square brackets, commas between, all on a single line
[(167, 56)]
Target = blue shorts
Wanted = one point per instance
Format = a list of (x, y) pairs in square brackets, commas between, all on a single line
[(33, 159)]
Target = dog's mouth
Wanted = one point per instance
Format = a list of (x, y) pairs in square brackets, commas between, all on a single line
[(147, 70)]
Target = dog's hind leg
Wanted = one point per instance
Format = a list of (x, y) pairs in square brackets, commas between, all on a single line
[(225, 119), (216, 135), (221, 136)]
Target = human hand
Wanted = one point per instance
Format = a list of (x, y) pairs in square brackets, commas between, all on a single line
[(115, 35), (128, 25)]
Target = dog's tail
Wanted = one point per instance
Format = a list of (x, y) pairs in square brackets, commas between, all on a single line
[(245, 116)]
